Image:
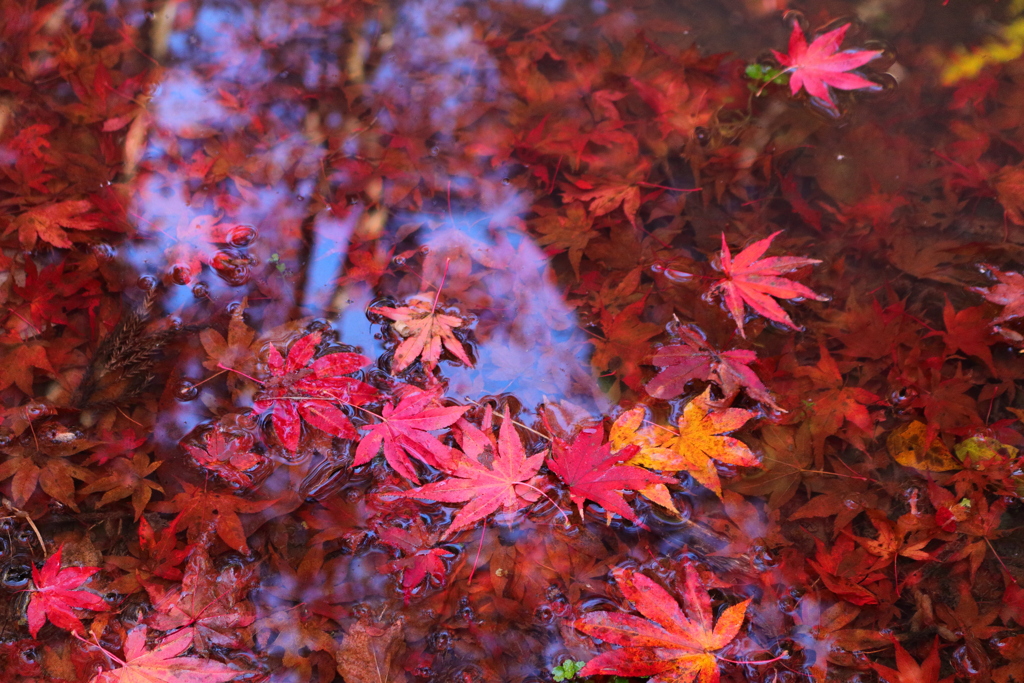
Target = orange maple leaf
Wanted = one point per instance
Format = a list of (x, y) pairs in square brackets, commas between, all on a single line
[(702, 440), (425, 330), (672, 646)]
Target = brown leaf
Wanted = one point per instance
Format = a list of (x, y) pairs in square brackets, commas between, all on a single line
[(370, 652)]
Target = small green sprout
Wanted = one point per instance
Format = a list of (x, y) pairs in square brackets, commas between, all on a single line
[(763, 74), (567, 670), (276, 260)]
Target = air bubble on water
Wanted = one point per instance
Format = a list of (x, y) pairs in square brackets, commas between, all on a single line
[(677, 275), (658, 268), (299, 198), (180, 274), (200, 290), (186, 391), (434, 151), (506, 181), (146, 283), (399, 260)]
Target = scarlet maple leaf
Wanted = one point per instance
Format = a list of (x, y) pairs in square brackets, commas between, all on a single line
[(669, 645), (405, 429), (486, 488), (909, 670), (753, 280), (831, 404), (297, 393), (162, 664), (213, 603), (199, 507), (425, 330), (592, 472), (702, 440), (55, 595), (693, 358), (421, 560), (1009, 293), (819, 66)]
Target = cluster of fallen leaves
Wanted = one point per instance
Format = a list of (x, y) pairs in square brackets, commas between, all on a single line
[(363, 342)]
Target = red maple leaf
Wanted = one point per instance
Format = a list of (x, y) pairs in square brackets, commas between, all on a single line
[(486, 487), (1008, 293), (199, 508), (162, 663), (909, 670), (420, 561), (670, 645), (213, 603), (820, 65), (592, 472), (405, 429), (56, 594), (754, 280), (694, 358), (297, 393)]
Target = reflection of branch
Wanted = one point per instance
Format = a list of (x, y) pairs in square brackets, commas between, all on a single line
[(515, 422), (21, 514)]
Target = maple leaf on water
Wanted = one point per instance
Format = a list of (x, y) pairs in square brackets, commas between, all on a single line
[(212, 603), (702, 440), (1009, 293), (49, 222), (693, 358), (199, 507), (56, 594), (909, 671), (821, 65), (296, 392), (592, 472), (163, 664), (670, 645), (752, 280), (485, 488), (405, 429), (424, 330)]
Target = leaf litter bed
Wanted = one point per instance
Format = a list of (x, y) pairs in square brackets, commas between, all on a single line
[(510, 342)]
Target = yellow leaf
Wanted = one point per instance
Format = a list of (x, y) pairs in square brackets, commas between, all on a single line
[(702, 441), (906, 446)]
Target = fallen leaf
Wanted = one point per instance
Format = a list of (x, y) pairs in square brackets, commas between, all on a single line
[(820, 65), (671, 646), (701, 441), (162, 664), (56, 593), (592, 472), (424, 330), (370, 653), (486, 488), (752, 280)]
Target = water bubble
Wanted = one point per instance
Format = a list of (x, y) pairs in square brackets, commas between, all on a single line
[(299, 198), (147, 283), (200, 290), (242, 236), (16, 576), (104, 251), (424, 250), (175, 324), (399, 260), (506, 181), (435, 150), (186, 391), (181, 274), (701, 134)]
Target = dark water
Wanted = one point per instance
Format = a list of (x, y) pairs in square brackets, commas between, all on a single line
[(186, 185)]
